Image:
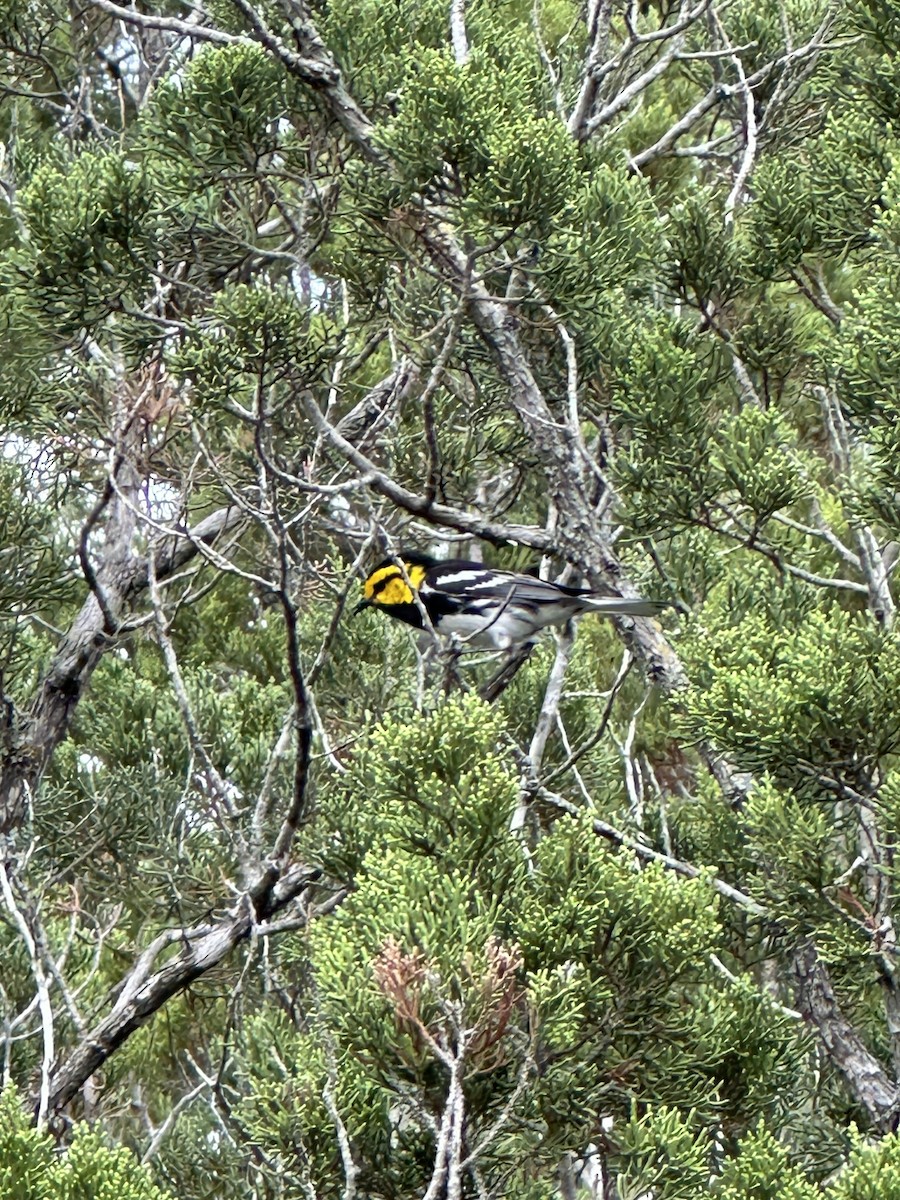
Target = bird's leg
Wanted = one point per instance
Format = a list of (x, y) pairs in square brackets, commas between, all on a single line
[(501, 679), (437, 667), (451, 681)]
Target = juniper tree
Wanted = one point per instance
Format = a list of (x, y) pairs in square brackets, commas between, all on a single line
[(294, 905)]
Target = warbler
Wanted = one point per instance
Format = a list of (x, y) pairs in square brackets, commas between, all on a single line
[(485, 608)]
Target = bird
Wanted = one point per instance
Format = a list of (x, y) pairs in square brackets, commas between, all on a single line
[(484, 607)]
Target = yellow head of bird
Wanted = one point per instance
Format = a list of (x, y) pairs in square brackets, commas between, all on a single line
[(387, 586)]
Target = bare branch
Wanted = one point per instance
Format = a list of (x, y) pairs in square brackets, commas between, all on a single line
[(812, 285), (42, 987), (187, 29), (823, 531), (872, 560), (527, 1068), (315, 67), (719, 92), (605, 830), (549, 708), (144, 994), (590, 742), (110, 620), (458, 31), (863, 1073), (582, 124), (171, 1118), (47, 722), (411, 502), (750, 127), (222, 793), (634, 89), (599, 17)]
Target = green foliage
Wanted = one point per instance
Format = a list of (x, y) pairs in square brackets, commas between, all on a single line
[(212, 123), (90, 1169), (870, 367), (824, 205), (92, 244), (705, 263), (782, 224), (605, 242), (374, 44), (873, 1170), (664, 1153), (513, 164), (793, 844), (442, 897), (764, 1171), (253, 338), (26, 1156), (664, 379), (530, 171), (29, 580), (194, 243), (760, 691), (758, 459), (777, 339)]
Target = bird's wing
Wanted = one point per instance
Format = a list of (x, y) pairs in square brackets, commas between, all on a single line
[(477, 582)]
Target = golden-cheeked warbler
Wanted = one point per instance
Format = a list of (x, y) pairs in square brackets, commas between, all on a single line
[(485, 608)]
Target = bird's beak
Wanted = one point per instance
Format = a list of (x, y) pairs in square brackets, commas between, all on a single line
[(359, 608)]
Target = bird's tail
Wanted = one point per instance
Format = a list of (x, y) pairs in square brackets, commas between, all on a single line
[(615, 606)]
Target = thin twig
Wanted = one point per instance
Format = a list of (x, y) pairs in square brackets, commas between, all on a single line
[(458, 36), (43, 994)]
